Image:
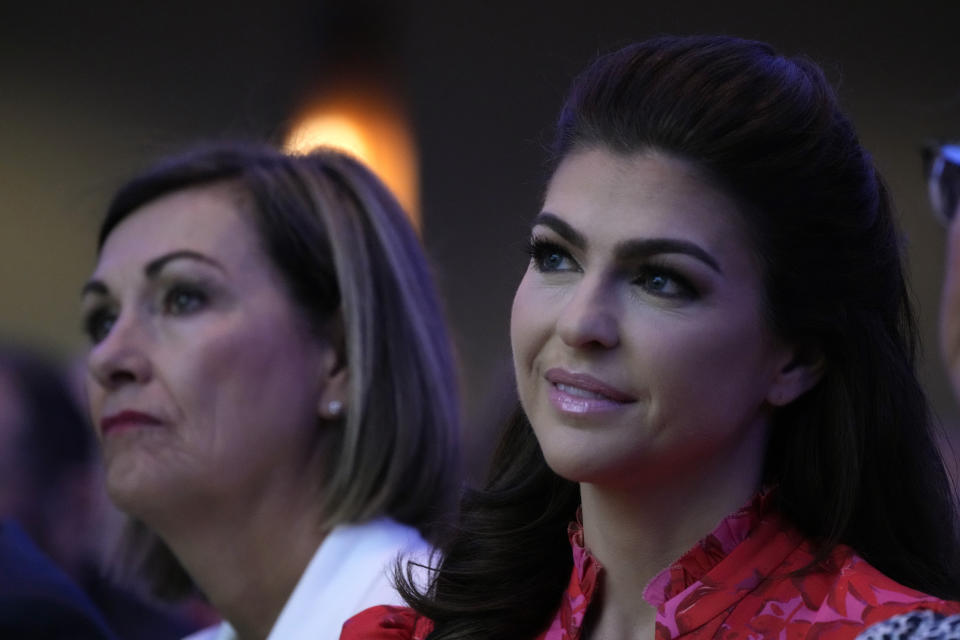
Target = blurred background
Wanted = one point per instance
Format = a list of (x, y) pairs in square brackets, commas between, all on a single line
[(451, 101)]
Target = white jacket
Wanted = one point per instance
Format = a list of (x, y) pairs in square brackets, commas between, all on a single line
[(352, 570)]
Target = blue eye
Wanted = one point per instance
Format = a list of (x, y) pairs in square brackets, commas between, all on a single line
[(664, 282), (183, 299), (658, 283), (549, 257), (98, 323)]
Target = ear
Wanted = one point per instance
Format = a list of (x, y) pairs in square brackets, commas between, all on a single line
[(333, 372), (801, 369)]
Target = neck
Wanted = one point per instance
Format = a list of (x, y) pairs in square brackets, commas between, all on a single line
[(637, 532), (248, 559)]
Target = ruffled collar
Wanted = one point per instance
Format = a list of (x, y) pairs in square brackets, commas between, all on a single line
[(584, 579), (682, 576), (707, 553)]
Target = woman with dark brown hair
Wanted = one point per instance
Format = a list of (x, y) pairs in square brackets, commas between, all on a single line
[(722, 434)]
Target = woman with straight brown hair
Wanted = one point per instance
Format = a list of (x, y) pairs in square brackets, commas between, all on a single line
[(272, 385)]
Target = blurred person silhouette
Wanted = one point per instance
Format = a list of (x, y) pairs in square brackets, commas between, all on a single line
[(50, 483), (941, 163), (46, 457), (271, 384), (37, 599), (941, 166)]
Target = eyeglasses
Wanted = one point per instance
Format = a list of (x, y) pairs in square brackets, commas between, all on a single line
[(941, 166)]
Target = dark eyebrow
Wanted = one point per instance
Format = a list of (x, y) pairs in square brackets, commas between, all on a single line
[(153, 268), (561, 228), (157, 264), (629, 250)]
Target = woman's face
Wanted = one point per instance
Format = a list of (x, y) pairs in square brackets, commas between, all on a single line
[(638, 335), (203, 379)]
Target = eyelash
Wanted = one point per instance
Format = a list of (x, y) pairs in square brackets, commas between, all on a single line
[(198, 298), (540, 250), (98, 322), (653, 269), (94, 320)]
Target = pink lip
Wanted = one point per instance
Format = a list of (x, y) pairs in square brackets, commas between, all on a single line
[(125, 420), (602, 397)]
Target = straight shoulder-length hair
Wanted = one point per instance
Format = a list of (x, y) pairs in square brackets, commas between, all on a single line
[(343, 246)]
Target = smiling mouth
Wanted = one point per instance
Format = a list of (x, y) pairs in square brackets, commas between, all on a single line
[(582, 394), (576, 401), (578, 392), (585, 385)]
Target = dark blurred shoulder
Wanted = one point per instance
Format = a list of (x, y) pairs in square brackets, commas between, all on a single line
[(38, 600)]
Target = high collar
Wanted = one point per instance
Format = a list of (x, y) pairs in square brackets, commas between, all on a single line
[(717, 572), (710, 551)]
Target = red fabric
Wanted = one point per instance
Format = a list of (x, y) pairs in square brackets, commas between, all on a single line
[(386, 623), (737, 583)]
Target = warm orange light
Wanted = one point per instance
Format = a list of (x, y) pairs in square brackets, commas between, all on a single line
[(331, 130), (373, 128)]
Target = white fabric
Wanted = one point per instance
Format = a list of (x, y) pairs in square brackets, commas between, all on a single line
[(351, 571)]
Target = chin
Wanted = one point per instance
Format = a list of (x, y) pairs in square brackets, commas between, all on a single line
[(613, 467), (127, 496), (578, 468), (138, 488)]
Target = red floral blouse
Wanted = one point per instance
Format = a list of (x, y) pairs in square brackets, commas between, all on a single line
[(735, 584)]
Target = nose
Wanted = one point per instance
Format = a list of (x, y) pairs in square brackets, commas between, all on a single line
[(121, 358), (590, 318)]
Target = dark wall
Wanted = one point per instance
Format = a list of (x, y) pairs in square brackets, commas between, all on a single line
[(87, 94)]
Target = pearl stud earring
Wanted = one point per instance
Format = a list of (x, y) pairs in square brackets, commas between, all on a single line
[(335, 408)]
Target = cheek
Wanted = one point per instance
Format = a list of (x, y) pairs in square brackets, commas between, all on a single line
[(236, 379), (522, 321), (714, 364), (92, 391), (94, 400), (215, 364)]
